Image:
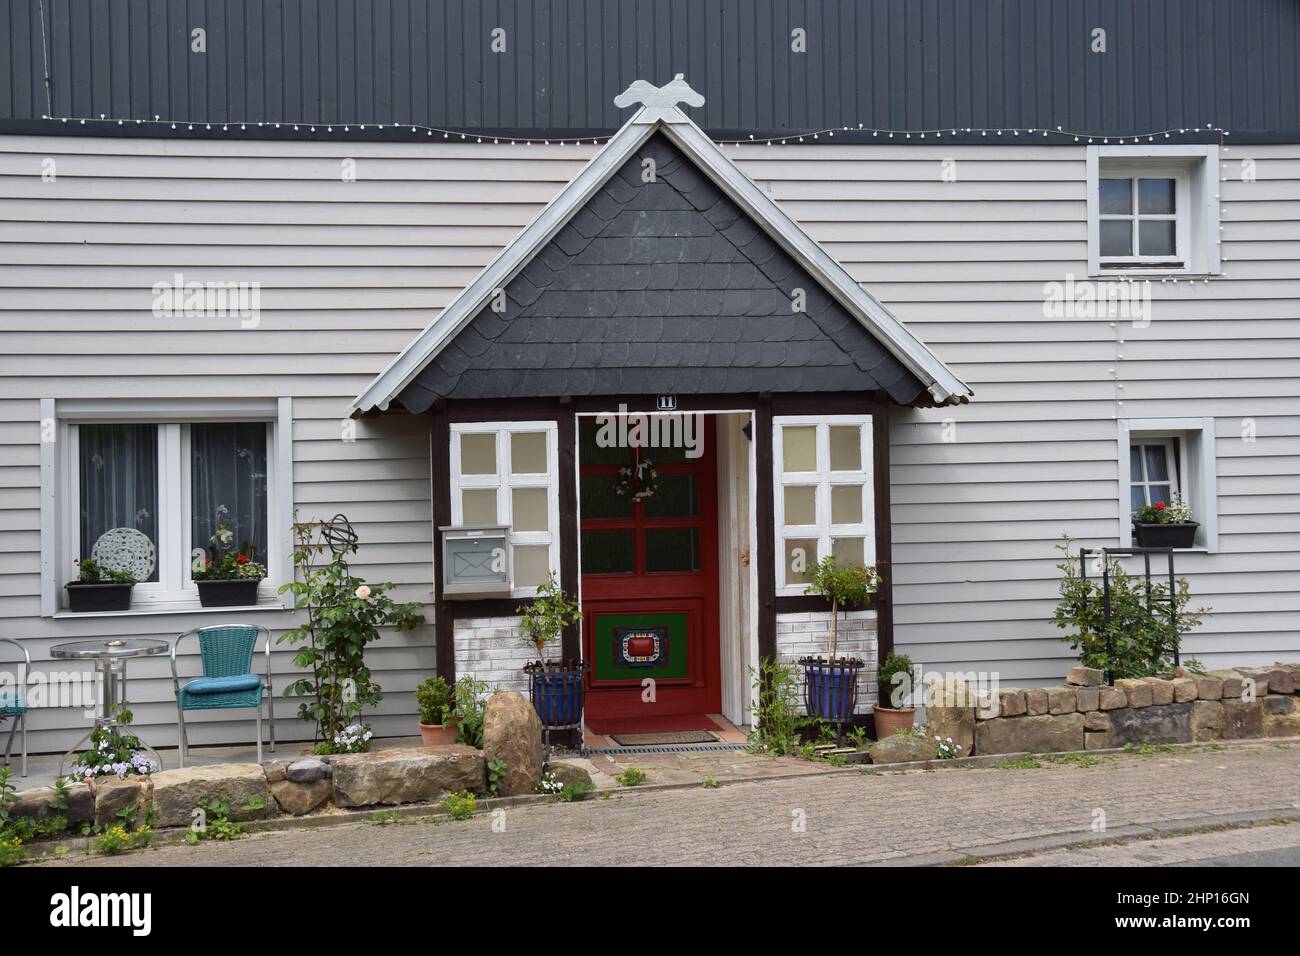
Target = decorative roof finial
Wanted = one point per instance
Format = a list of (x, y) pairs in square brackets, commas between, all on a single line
[(661, 97)]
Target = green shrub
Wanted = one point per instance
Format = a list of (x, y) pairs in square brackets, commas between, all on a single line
[(894, 680), (849, 586), (777, 720), (471, 706), (630, 777), (436, 701)]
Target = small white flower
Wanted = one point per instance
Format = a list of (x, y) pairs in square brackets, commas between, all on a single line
[(363, 592)]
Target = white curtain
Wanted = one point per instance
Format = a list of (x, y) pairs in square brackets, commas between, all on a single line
[(119, 481), (228, 484)]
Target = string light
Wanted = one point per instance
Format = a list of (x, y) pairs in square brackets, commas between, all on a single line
[(1065, 135)]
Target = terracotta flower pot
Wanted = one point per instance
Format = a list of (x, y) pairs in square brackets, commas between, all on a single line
[(890, 721), (431, 735)]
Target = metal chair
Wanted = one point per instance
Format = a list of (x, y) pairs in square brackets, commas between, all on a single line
[(13, 703), (228, 680)]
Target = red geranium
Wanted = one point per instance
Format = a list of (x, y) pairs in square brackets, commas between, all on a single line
[(1160, 506), (241, 558)]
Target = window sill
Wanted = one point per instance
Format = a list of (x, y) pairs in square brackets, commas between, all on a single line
[(1146, 272), (171, 607)]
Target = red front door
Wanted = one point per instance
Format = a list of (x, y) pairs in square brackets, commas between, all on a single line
[(649, 576)]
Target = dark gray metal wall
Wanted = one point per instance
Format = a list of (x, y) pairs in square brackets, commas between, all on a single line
[(886, 63)]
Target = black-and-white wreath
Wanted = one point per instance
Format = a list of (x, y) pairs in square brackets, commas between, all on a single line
[(638, 482)]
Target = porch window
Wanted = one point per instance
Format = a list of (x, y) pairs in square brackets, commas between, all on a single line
[(505, 473), (174, 482), (824, 496)]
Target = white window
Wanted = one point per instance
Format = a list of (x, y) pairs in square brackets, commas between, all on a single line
[(824, 497), (174, 472), (504, 473), (1163, 457), (1153, 210)]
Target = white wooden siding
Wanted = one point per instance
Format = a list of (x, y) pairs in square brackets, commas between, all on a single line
[(350, 271)]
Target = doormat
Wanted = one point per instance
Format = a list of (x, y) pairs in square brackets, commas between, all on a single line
[(648, 724), (668, 737)]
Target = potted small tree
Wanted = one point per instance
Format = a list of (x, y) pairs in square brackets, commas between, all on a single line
[(557, 687), (894, 684), (99, 588), (438, 723), (1165, 525), (230, 577), (831, 683)]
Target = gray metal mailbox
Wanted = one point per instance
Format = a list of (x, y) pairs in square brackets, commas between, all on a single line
[(476, 561)]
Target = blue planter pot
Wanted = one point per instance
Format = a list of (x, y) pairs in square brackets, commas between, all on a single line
[(558, 695), (831, 691)]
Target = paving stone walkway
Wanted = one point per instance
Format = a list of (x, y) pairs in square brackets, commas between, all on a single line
[(846, 817)]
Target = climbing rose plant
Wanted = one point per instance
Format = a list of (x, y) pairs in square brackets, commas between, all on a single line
[(344, 614)]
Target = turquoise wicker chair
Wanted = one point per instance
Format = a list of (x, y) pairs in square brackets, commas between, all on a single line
[(228, 680), (13, 703)]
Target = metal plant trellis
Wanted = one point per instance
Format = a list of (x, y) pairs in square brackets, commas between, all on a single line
[(1145, 554)]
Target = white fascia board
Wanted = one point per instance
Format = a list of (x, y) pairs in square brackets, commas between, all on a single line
[(918, 359), (942, 384), (505, 266)]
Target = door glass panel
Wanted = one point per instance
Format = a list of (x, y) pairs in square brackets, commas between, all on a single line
[(478, 454), (598, 499), (800, 556), (800, 505), (607, 552), (677, 496), (846, 504), (799, 448), (672, 549), (1156, 196), (119, 482), (528, 509), (1157, 466), (532, 565), (528, 453), (846, 448), (847, 551), (598, 444), (1116, 196), (478, 506), (1156, 237), (1117, 237)]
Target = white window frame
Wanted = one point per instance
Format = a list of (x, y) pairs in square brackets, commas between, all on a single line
[(175, 590), (1181, 216), (504, 482), (1194, 472), (823, 479), (1171, 462), (1195, 170)]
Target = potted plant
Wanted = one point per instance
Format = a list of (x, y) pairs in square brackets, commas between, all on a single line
[(230, 577), (556, 687), (438, 723), (831, 683), (894, 684), (99, 588), (1165, 525)]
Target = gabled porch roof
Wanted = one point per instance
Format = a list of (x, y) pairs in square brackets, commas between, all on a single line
[(680, 285)]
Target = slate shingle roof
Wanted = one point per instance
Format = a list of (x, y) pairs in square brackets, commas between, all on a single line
[(664, 287)]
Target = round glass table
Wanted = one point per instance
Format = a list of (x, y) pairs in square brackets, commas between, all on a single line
[(111, 655)]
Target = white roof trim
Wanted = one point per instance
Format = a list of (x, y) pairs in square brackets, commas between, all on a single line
[(942, 384)]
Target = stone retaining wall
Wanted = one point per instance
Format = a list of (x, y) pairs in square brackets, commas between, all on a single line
[(1084, 714)]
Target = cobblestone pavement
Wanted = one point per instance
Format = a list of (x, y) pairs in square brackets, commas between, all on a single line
[(1271, 845), (847, 817)]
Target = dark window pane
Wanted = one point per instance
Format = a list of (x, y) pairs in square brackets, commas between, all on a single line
[(672, 549), (597, 445), (607, 552), (1137, 497), (1156, 237), (1117, 237), (598, 499), (118, 473), (1157, 465), (1116, 196), (1156, 196), (677, 496), (1159, 493), (1135, 462), (228, 487)]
